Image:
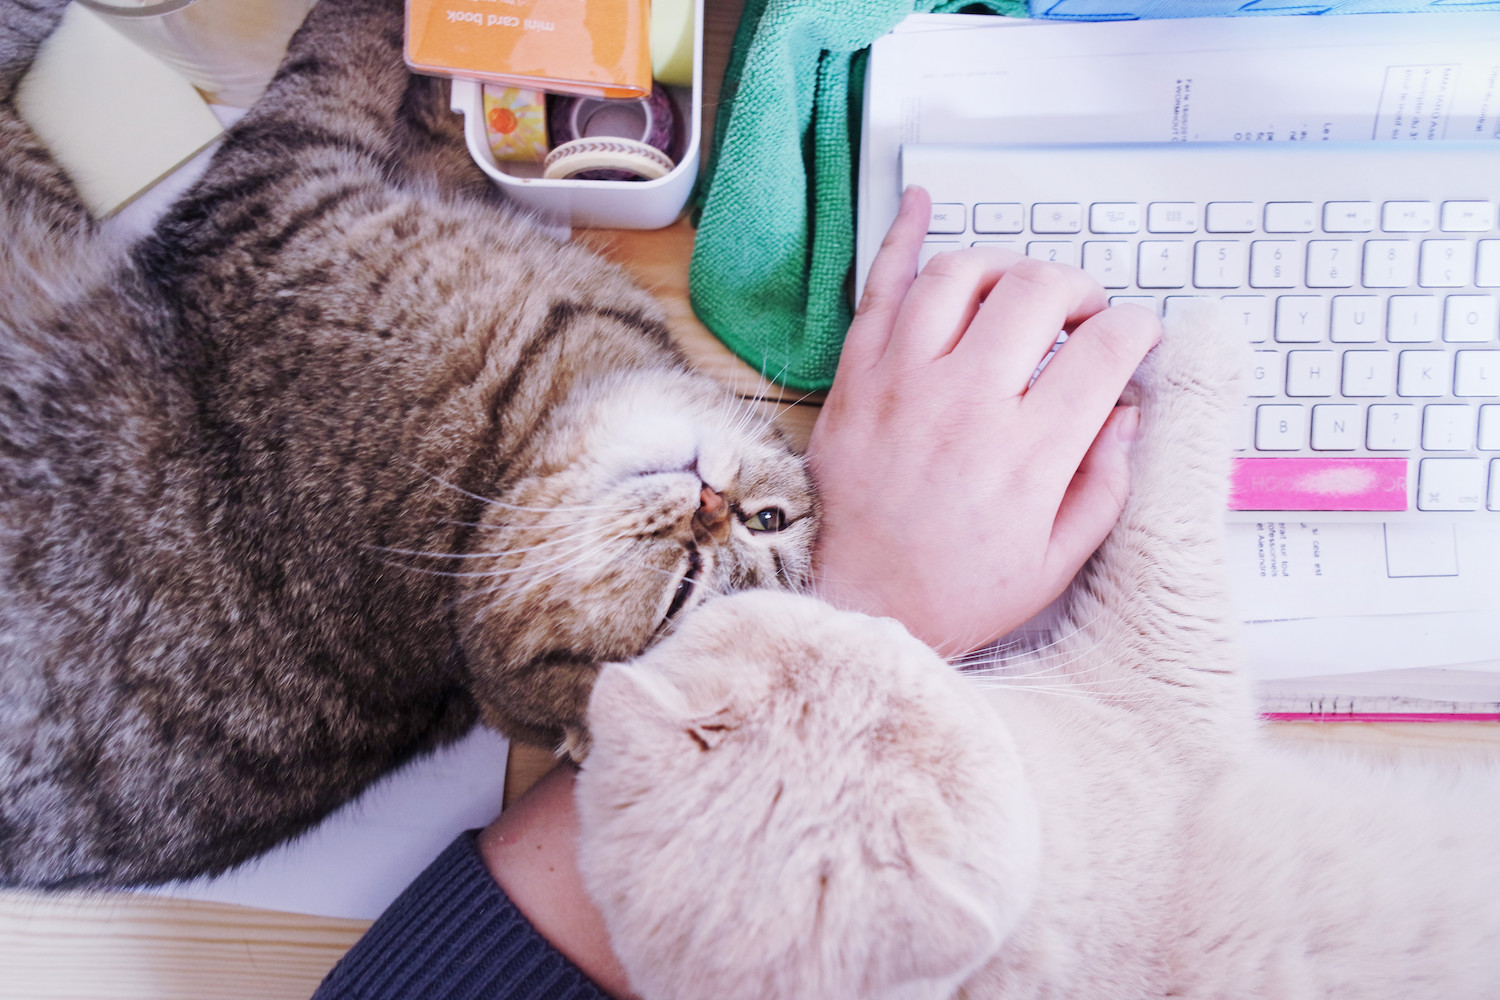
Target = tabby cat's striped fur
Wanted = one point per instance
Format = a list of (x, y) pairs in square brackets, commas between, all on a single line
[(338, 458)]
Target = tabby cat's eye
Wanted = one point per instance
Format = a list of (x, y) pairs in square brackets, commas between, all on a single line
[(770, 519)]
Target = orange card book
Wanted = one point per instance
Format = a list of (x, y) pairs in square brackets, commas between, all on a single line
[(598, 48)]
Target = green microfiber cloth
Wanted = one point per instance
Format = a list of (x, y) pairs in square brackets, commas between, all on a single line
[(775, 244)]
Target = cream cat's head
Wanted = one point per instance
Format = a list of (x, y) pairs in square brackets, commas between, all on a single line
[(787, 800), (642, 494)]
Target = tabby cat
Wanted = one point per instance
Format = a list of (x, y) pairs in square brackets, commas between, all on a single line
[(341, 457), (788, 801)]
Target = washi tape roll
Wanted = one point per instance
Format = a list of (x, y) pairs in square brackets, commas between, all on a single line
[(515, 122), (651, 121), (620, 159)]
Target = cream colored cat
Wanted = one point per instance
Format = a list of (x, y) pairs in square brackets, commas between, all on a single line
[(786, 800)]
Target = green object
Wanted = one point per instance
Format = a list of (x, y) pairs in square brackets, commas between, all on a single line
[(771, 262)]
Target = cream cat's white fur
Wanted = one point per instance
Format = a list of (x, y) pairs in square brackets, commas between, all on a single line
[(789, 801)]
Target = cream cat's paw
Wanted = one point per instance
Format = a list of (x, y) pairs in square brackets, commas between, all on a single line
[(766, 784)]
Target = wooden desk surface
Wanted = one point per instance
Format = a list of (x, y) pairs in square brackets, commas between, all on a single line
[(120, 946)]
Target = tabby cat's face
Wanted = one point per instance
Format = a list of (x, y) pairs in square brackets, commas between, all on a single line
[(646, 494)]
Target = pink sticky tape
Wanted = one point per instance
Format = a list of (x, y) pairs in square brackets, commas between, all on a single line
[(1346, 483)]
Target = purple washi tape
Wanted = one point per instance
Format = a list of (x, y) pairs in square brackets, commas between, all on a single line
[(652, 120)]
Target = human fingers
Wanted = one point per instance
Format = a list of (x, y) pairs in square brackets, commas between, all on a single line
[(1020, 320), (886, 286), (1079, 387), (944, 299), (1095, 497)]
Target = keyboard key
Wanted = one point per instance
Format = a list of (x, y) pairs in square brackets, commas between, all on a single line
[(1162, 264), (1311, 373), (999, 244), (1467, 216), (1280, 427), (1357, 319), (1056, 217), (1445, 263), (1275, 263), (1265, 374), (1391, 427), (1290, 217), (1219, 264), (1368, 374), (1422, 373), (1447, 427), (1348, 217), (1231, 217), (999, 217), (1351, 483), (1251, 315), (1172, 217), (1056, 252), (1487, 264), (1389, 264), (1469, 319), (1494, 497), (1144, 301), (1476, 373), (1407, 216), (947, 217), (1301, 319), (1109, 262), (1450, 484), (1115, 217), (1337, 426), (1332, 263), (1488, 436), (1411, 319)]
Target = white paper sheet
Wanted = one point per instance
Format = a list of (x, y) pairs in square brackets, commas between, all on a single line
[(1407, 77)]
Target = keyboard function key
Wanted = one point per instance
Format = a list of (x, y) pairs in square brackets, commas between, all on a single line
[(1162, 264), (1231, 217), (1450, 483), (1275, 263), (1115, 217), (1445, 263), (1348, 217), (1056, 217), (1332, 263), (1291, 217), (999, 218), (1467, 216), (947, 218), (1172, 217), (1470, 319), (1407, 216)]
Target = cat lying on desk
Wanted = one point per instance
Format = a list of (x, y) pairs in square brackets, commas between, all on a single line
[(340, 457), (788, 801)]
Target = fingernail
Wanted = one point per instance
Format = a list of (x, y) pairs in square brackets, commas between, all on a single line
[(1128, 424)]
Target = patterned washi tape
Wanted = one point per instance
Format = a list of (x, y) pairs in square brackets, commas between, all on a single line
[(515, 122), (637, 160), (649, 122)]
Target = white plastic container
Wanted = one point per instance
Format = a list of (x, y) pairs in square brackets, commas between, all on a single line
[(599, 204)]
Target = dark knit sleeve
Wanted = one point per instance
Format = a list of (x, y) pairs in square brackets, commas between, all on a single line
[(455, 935)]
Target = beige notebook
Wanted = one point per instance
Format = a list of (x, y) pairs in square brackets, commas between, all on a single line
[(117, 118)]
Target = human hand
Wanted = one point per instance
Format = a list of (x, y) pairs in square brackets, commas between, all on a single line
[(955, 498)]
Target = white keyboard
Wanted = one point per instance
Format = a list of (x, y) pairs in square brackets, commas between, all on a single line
[(1365, 275)]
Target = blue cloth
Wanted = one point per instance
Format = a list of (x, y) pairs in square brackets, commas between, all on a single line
[(455, 935)]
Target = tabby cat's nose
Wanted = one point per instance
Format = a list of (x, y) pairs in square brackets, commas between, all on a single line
[(712, 510)]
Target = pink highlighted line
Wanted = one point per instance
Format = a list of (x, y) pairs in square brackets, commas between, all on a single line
[(1318, 484)]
